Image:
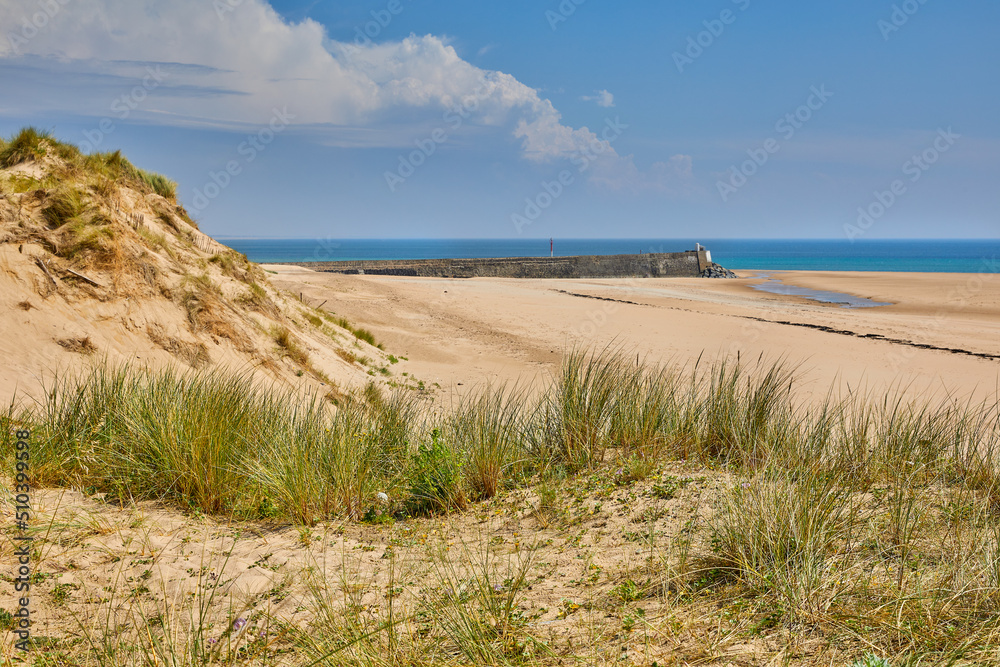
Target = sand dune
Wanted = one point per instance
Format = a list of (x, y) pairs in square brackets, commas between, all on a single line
[(95, 265)]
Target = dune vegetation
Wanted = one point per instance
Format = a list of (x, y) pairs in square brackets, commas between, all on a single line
[(868, 524)]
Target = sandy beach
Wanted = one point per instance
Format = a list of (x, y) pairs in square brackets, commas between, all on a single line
[(939, 335)]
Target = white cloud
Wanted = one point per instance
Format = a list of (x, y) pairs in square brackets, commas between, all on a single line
[(674, 177), (602, 97), (231, 69)]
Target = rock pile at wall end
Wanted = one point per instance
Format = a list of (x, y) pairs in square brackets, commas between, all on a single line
[(716, 271)]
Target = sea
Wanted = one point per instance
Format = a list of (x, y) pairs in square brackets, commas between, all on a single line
[(947, 256)]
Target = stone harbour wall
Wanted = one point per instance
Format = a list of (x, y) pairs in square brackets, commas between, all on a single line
[(651, 265)]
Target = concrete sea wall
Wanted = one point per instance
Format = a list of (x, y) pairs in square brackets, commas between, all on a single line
[(651, 265)]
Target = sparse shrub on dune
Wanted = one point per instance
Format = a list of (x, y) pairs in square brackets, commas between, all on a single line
[(159, 184), (347, 355), (747, 413), (366, 336), (183, 215), (256, 298), (436, 482), (208, 311), (116, 168), (224, 261), (28, 144), (67, 204), (335, 463), (84, 237)]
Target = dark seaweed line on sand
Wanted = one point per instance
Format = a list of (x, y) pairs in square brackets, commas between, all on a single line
[(874, 336), (818, 327), (604, 298)]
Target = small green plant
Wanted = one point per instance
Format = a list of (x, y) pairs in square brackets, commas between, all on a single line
[(769, 621), (627, 591), (360, 334), (436, 483), (666, 489), (628, 623), (548, 511), (871, 660), (62, 592)]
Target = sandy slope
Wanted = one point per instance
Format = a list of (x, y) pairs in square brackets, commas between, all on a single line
[(102, 566), (462, 332), (126, 276)]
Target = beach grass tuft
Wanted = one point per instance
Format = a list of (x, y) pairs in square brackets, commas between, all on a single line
[(28, 144)]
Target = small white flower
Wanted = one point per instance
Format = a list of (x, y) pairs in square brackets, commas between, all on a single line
[(383, 498)]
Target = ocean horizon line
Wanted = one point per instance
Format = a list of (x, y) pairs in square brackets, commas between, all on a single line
[(880, 255), (605, 238)]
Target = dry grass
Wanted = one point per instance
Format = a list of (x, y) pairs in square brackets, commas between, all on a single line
[(208, 311), (194, 354), (347, 355), (258, 299), (79, 345), (66, 205), (290, 345)]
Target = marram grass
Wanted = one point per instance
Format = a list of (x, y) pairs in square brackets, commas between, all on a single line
[(874, 517), (219, 442)]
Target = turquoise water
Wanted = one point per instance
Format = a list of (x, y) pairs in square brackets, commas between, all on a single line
[(980, 256)]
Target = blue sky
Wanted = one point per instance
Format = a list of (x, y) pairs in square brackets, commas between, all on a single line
[(566, 118)]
